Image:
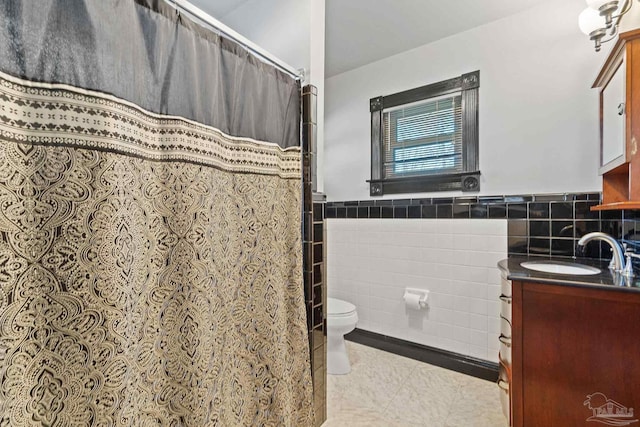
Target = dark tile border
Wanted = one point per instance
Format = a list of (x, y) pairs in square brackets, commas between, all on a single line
[(524, 206), (539, 224), (445, 359)]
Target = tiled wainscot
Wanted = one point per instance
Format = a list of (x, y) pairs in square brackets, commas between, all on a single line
[(450, 247), (370, 263)]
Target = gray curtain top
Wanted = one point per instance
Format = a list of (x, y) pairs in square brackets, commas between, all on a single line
[(147, 53)]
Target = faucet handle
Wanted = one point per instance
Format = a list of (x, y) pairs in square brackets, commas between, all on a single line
[(628, 267), (629, 252)]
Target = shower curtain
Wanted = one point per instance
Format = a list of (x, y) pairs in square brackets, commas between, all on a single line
[(150, 247)]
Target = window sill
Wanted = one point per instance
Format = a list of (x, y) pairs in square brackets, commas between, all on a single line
[(463, 181)]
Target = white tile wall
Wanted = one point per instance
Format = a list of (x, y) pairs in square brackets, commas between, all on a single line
[(371, 261)]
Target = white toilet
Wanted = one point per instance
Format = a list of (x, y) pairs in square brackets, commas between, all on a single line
[(341, 319)]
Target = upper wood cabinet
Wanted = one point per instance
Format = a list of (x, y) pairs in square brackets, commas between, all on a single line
[(619, 84), (613, 119)]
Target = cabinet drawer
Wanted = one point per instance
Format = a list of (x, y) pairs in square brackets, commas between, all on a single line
[(505, 340), (505, 286), (505, 321), (505, 307), (505, 326), (504, 386), (505, 299)]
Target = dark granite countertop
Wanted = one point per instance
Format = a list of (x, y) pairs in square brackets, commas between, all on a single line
[(606, 279)]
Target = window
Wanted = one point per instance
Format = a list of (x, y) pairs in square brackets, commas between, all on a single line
[(423, 138), (426, 139)]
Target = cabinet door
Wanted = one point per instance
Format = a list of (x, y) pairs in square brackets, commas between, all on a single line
[(576, 343), (613, 104)]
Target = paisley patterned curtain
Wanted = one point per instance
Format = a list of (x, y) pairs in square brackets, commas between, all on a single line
[(150, 266)]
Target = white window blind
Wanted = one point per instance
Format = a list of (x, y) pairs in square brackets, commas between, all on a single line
[(423, 138)]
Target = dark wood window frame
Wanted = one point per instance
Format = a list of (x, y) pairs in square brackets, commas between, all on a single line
[(467, 180)]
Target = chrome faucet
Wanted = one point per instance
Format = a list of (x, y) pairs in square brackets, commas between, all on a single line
[(617, 260)]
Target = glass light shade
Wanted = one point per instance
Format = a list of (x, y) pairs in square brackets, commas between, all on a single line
[(590, 20), (596, 4)]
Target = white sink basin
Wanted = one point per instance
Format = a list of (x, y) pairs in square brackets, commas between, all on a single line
[(561, 268)]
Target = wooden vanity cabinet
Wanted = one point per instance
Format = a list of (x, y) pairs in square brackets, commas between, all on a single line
[(619, 84), (567, 344)]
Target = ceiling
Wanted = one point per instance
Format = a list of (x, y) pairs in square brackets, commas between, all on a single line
[(359, 32), (218, 8)]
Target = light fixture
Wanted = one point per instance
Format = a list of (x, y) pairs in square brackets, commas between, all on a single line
[(602, 17)]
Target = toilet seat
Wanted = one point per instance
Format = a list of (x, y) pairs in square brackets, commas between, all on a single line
[(339, 308)]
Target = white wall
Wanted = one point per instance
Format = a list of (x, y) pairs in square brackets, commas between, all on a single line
[(316, 78), (371, 261), (538, 115), (630, 21)]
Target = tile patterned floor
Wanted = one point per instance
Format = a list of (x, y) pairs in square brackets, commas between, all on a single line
[(387, 390)]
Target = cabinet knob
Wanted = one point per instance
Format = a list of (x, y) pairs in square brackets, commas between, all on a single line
[(505, 298), (505, 340), (621, 109)]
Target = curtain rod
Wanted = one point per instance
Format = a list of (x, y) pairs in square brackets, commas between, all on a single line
[(220, 28)]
